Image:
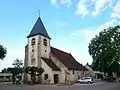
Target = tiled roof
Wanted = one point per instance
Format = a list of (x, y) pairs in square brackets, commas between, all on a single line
[(38, 29), (67, 59), (85, 69), (51, 64), (88, 65)]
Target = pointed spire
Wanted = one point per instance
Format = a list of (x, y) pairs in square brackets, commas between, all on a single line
[(38, 29)]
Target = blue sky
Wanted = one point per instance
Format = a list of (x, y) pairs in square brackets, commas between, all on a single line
[(70, 23)]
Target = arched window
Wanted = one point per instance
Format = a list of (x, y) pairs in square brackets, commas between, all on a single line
[(45, 42), (33, 41), (45, 76)]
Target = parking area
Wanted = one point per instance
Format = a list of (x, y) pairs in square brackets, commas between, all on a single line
[(94, 86)]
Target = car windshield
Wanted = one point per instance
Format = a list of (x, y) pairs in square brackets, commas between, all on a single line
[(85, 78)]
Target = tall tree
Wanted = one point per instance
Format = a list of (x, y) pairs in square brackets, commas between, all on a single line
[(105, 50), (3, 52)]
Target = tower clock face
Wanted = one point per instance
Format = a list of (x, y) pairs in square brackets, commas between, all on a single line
[(45, 42)]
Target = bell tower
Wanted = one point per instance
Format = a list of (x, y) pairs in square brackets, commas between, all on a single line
[(38, 44)]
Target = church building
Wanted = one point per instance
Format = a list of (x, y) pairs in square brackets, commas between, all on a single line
[(59, 66)]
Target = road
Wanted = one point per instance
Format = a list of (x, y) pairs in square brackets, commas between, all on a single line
[(102, 86)]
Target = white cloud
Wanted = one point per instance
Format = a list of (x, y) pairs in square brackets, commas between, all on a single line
[(54, 2), (89, 33), (109, 23), (100, 5), (68, 2), (116, 10), (12, 54), (63, 2), (94, 7), (81, 8)]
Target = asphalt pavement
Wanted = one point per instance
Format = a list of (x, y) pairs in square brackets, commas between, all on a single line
[(95, 86)]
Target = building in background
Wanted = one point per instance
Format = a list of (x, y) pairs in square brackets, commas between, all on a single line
[(92, 73), (5, 77)]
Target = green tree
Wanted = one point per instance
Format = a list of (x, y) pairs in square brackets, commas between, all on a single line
[(105, 50), (3, 52), (4, 70), (34, 71), (15, 72), (17, 63), (17, 69)]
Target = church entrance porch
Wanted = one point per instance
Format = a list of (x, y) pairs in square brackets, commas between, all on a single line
[(56, 78)]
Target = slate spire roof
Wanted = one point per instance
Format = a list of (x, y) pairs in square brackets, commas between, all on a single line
[(38, 29)]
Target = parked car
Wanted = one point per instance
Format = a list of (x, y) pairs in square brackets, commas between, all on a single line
[(85, 80)]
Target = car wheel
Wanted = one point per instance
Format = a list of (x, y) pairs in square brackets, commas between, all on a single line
[(89, 82)]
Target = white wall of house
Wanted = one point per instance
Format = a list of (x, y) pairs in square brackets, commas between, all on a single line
[(75, 75), (69, 77), (62, 67), (48, 71), (5, 76), (90, 70)]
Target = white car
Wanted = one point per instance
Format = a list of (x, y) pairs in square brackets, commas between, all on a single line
[(85, 80)]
